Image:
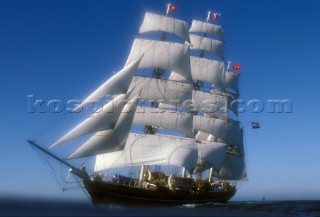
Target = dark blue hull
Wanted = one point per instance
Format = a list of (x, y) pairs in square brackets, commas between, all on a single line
[(112, 193)]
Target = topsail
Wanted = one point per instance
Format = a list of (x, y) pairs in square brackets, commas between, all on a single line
[(207, 28), (155, 22)]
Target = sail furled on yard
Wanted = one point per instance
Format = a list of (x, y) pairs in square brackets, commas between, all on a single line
[(207, 28), (174, 120), (155, 22), (163, 55), (109, 140), (143, 149)]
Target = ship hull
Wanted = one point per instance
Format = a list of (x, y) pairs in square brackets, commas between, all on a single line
[(110, 193)]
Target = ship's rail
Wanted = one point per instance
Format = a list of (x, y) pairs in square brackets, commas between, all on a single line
[(116, 179), (197, 185)]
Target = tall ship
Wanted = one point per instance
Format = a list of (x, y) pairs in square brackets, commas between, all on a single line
[(168, 131)]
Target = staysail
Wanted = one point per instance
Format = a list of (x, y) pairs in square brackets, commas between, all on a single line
[(109, 140), (117, 84), (98, 121)]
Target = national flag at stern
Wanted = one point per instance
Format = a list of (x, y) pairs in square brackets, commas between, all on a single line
[(255, 125)]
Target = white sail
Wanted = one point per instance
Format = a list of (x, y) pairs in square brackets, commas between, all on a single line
[(178, 121), (214, 105), (207, 44), (216, 127), (109, 140), (210, 155), (208, 70), (232, 80), (143, 149), (213, 138), (176, 77), (204, 69), (163, 55), (201, 136), (155, 22), (207, 28), (218, 130), (170, 92), (117, 84), (105, 119)]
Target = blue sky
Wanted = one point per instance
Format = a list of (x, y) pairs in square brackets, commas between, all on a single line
[(65, 49)]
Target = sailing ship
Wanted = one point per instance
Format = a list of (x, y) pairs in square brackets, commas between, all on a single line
[(168, 120)]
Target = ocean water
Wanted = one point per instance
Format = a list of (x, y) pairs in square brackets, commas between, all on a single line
[(37, 207)]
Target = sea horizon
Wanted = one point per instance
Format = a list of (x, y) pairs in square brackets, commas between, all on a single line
[(26, 205)]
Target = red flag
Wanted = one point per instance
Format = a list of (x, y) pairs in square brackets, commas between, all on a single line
[(172, 7), (235, 66), (215, 16)]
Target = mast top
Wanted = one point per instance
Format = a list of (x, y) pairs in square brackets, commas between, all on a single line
[(208, 17)]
